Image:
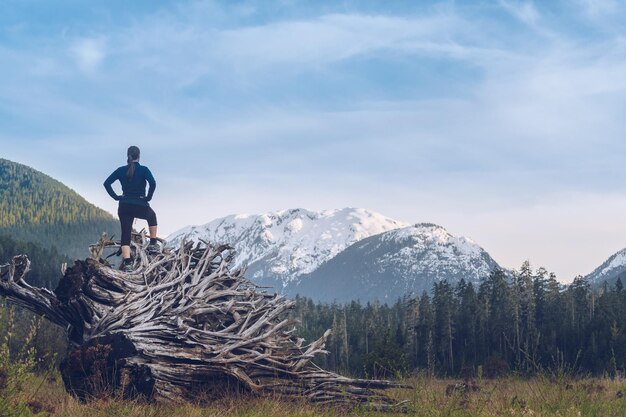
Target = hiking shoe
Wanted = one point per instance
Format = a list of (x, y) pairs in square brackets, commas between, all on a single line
[(153, 248), (127, 267)]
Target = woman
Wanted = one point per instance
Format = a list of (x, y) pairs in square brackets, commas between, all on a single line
[(134, 202)]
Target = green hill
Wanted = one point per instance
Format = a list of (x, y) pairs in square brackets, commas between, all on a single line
[(37, 208)]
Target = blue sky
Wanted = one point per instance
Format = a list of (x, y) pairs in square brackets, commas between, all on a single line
[(500, 120)]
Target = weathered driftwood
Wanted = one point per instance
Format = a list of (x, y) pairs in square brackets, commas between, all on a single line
[(181, 322)]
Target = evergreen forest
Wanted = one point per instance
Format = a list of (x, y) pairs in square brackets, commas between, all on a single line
[(525, 322), (45, 264)]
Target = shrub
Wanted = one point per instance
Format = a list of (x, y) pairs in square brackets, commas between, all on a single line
[(16, 365), (494, 367)]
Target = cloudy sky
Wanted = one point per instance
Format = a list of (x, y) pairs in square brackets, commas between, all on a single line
[(500, 120)]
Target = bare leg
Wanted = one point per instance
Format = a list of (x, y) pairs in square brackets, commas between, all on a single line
[(153, 232), (125, 252)]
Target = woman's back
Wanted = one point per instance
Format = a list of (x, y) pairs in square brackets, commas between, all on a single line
[(134, 188)]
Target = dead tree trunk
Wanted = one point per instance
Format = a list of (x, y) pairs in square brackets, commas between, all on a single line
[(182, 321)]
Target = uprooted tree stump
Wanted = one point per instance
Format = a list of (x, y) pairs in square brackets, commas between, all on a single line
[(181, 322)]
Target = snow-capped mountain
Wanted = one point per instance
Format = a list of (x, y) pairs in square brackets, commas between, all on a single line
[(610, 270), (395, 263), (279, 247)]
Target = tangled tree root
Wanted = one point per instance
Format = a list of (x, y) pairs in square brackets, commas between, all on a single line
[(182, 319)]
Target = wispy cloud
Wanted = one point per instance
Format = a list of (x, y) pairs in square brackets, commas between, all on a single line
[(599, 8), (188, 53), (88, 53), (450, 114), (524, 10)]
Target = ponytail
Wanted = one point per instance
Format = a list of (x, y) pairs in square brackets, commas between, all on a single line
[(133, 156)]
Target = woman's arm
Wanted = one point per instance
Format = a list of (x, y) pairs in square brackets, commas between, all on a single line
[(107, 184), (151, 183)]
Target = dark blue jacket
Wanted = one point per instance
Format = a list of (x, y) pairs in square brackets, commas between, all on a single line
[(134, 189)]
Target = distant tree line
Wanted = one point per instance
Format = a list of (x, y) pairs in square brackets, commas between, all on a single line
[(525, 322), (45, 264), (16, 323)]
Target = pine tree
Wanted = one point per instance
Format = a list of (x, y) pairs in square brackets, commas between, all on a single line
[(443, 303), (467, 326)]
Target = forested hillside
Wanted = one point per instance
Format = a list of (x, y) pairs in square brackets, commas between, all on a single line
[(36, 208), (529, 324)]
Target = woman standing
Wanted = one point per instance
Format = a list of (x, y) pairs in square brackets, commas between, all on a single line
[(134, 202)]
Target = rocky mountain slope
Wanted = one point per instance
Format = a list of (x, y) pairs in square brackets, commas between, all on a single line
[(610, 270), (396, 263)]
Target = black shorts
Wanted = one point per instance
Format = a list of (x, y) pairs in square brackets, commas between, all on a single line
[(128, 213)]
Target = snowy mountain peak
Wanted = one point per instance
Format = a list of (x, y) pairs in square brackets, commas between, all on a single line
[(288, 243), (427, 226), (424, 235), (420, 230)]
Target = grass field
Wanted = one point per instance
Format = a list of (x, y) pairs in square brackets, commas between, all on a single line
[(539, 396)]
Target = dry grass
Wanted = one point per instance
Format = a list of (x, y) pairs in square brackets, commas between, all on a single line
[(538, 396)]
